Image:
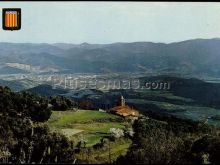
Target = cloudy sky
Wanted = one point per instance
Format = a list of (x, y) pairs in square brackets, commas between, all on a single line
[(108, 22)]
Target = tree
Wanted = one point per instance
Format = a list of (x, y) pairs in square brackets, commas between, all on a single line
[(61, 103)]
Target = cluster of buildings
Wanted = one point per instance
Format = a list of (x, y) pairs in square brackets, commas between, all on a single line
[(124, 110)]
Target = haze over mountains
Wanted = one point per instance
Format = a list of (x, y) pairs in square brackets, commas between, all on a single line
[(196, 57)]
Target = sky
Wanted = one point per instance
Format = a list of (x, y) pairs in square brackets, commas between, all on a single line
[(109, 22)]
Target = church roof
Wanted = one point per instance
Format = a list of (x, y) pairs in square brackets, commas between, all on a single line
[(124, 111)]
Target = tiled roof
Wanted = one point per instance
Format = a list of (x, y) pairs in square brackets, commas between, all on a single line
[(124, 111)]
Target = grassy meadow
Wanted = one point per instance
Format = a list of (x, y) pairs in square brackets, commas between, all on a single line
[(88, 125)]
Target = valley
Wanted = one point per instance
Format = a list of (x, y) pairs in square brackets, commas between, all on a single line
[(70, 92), (183, 100)]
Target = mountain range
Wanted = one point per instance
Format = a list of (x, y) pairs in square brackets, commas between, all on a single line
[(196, 57)]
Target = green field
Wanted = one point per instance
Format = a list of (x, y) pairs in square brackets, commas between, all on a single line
[(85, 124), (101, 156)]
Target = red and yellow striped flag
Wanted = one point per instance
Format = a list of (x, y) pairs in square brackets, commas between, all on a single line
[(11, 19)]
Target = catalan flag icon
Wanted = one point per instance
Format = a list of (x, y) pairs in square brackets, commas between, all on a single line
[(11, 19)]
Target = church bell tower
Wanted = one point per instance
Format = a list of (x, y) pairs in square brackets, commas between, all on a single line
[(122, 101)]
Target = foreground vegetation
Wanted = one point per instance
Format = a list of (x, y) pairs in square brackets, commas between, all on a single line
[(173, 141), (23, 136), (86, 136)]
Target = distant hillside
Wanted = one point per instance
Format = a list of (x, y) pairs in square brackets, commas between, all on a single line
[(11, 70), (202, 92), (19, 85), (46, 90), (194, 57)]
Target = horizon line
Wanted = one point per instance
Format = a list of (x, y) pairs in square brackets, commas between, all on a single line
[(158, 42)]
